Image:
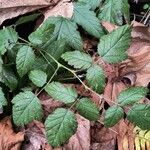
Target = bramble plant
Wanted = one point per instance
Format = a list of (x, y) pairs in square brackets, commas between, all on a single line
[(30, 67)]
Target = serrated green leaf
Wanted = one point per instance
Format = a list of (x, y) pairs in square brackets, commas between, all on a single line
[(139, 115), (26, 108), (59, 92), (40, 64), (88, 20), (60, 126), (38, 77), (8, 38), (112, 47), (87, 109), (92, 4), (131, 95), (3, 100), (42, 33), (9, 78), (78, 59), (113, 11), (96, 78), (112, 116), (66, 29), (25, 19), (25, 59)]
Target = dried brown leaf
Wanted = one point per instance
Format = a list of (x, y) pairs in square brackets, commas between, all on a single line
[(14, 8), (9, 140), (81, 140), (64, 8)]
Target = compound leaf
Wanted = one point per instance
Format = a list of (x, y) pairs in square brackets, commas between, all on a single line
[(59, 92), (112, 47), (87, 109), (88, 20), (25, 60), (60, 126), (139, 115), (38, 77), (66, 29), (8, 38), (26, 108), (113, 11), (112, 115), (131, 95), (78, 59), (96, 78)]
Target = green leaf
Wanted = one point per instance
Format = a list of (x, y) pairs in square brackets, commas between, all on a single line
[(42, 33), (8, 38), (61, 93), (87, 109), (40, 64), (26, 19), (112, 116), (25, 59), (113, 11), (60, 126), (88, 20), (9, 78), (26, 108), (96, 78), (92, 4), (131, 95), (3, 100), (112, 47), (139, 115), (66, 29), (38, 77), (78, 59)]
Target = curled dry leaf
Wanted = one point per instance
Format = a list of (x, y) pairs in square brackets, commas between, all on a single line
[(14, 8), (34, 137), (81, 140), (64, 8), (9, 140)]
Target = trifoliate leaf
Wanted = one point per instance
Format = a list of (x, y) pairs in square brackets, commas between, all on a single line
[(78, 59), (112, 115), (59, 92), (25, 19), (92, 4), (112, 47), (131, 95), (38, 77), (113, 11), (42, 34), (9, 78), (96, 78), (87, 109), (139, 115), (26, 108), (88, 20), (3, 100), (60, 126), (8, 38), (66, 29), (25, 59)]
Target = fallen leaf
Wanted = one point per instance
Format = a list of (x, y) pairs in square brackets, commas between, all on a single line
[(35, 138), (9, 140), (81, 140), (10, 9), (109, 26), (64, 8), (49, 104)]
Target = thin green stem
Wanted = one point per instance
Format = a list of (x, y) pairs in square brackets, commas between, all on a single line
[(24, 40), (49, 80)]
